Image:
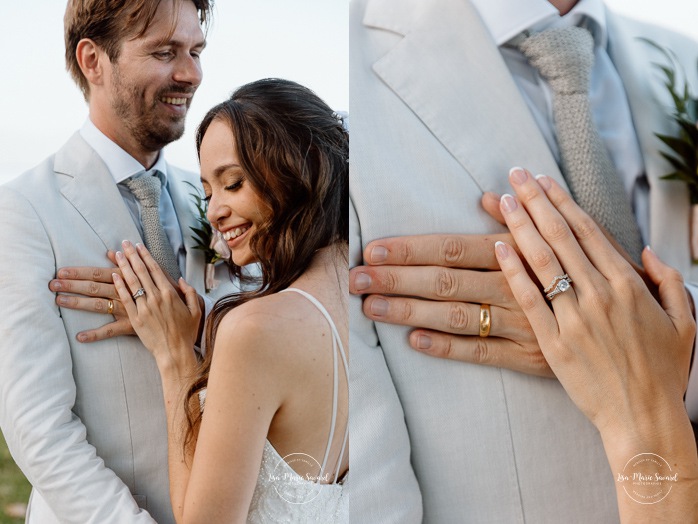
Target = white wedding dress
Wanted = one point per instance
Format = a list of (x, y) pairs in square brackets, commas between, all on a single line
[(281, 495)]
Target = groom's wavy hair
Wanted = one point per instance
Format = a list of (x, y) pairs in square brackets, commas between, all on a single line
[(109, 22), (294, 151)]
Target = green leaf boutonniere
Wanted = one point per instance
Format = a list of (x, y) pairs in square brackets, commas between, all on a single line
[(207, 239), (683, 155)]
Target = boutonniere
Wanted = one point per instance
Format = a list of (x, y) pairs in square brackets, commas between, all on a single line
[(207, 239), (684, 146)]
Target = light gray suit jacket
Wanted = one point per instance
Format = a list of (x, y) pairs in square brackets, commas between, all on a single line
[(437, 120), (85, 423)]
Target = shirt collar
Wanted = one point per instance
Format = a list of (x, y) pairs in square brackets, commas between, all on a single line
[(121, 165), (505, 19)]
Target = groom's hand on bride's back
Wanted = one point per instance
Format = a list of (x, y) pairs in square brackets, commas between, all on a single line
[(437, 283)]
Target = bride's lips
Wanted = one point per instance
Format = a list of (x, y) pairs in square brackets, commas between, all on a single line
[(236, 235)]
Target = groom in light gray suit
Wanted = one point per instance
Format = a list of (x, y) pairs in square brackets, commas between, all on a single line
[(442, 108), (86, 424)]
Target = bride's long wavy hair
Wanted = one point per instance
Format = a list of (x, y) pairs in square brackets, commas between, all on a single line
[(294, 150)]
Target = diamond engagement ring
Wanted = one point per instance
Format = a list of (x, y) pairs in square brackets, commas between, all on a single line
[(139, 293), (555, 282), (560, 285)]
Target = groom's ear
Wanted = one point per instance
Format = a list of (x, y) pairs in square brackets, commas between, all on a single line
[(91, 59)]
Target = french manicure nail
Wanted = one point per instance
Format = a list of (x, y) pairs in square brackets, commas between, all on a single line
[(423, 342), (379, 254), (544, 182), (362, 281), (501, 249), (119, 255), (517, 175), (508, 203), (379, 307)]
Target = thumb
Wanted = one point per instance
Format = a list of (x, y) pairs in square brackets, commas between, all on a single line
[(672, 292), (490, 203), (191, 297)]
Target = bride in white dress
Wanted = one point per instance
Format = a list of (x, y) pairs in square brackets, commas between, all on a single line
[(258, 430)]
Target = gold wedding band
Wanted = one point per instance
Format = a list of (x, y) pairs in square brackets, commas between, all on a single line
[(110, 307), (485, 320)]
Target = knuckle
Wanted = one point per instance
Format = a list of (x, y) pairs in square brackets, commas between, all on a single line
[(528, 300), (93, 288), (481, 352), (406, 312), (452, 250), (98, 304), (448, 349), (96, 273), (527, 194), (389, 281), (458, 317), (446, 284), (555, 230), (406, 252), (109, 333), (542, 259), (585, 228)]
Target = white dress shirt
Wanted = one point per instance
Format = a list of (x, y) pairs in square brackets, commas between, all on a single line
[(123, 166), (505, 20)]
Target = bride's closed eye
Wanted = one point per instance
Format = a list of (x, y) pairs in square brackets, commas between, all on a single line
[(235, 185)]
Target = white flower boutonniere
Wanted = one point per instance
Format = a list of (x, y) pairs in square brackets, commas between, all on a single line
[(684, 147), (208, 240)]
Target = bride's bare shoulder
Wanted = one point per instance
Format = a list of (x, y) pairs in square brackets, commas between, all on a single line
[(274, 325)]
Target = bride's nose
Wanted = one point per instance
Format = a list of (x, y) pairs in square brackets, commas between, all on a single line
[(217, 209)]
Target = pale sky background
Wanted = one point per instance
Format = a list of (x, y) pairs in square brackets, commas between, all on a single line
[(302, 40), (40, 106)]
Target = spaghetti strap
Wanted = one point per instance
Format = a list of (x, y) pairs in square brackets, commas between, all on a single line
[(336, 344)]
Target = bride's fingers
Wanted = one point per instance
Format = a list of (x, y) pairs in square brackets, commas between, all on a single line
[(539, 255), (190, 296), (672, 292), (138, 267), (125, 296), (589, 235), (527, 294), (129, 277), (156, 273), (552, 227)]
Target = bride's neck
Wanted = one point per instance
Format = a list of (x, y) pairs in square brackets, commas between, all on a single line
[(330, 261)]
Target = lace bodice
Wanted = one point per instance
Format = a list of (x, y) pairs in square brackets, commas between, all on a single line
[(281, 495)]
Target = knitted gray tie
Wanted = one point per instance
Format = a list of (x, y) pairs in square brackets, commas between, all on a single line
[(564, 56), (146, 188)]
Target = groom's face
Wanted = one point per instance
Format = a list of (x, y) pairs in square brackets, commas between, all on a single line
[(151, 84)]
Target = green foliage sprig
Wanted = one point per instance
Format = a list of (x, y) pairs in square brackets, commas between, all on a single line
[(204, 233), (684, 147)]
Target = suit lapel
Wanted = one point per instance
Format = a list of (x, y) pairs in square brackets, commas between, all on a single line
[(455, 80), (90, 188), (669, 203)]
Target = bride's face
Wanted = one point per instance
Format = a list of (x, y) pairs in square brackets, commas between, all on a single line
[(234, 208)]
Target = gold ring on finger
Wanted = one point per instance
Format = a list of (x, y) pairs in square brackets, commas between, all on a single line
[(485, 320), (110, 307)]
